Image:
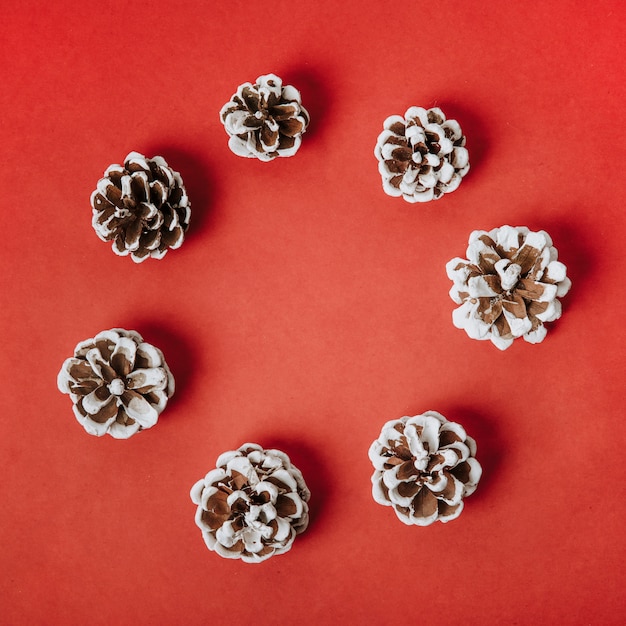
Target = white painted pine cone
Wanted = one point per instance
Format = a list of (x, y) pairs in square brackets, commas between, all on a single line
[(265, 120), (424, 467), (252, 505), (118, 383), (508, 286), (141, 207), (421, 156)]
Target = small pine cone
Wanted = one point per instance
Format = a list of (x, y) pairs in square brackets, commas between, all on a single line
[(421, 156), (424, 467), (508, 286), (118, 383), (142, 207), (252, 505), (265, 120)]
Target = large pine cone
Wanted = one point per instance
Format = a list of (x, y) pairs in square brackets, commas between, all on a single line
[(424, 467), (142, 207), (265, 120), (252, 505), (508, 286), (421, 156), (119, 384)]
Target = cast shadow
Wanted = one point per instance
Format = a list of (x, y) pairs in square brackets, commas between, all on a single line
[(307, 459), (478, 138), (312, 83), (179, 351), (200, 182)]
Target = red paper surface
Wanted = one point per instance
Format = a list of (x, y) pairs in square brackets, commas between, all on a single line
[(306, 308)]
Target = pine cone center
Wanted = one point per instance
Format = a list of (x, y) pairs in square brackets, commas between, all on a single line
[(117, 387), (414, 467), (509, 274)]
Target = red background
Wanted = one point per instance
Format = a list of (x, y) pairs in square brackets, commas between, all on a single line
[(306, 308)]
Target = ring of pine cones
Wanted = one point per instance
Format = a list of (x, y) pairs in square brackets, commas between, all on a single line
[(118, 383), (142, 207), (255, 502), (265, 120), (253, 505), (421, 156), (424, 467), (508, 286)]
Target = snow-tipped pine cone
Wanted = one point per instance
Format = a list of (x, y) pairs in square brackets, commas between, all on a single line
[(142, 207), (265, 120), (422, 155), (252, 505), (508, 286), (424, 467), (118, 383)]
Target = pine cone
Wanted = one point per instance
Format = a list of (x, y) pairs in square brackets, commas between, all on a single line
[(252, 505), (424, 467), (421, 156), (118, 383), (265, 120), (142, 207), (508, 286)]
